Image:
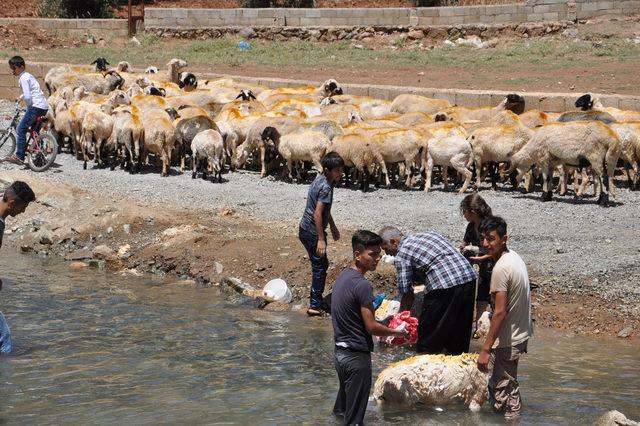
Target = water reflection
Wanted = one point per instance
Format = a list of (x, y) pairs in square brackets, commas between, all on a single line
[(91, 347)]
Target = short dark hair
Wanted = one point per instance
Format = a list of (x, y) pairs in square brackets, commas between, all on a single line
[(16, 61), (19, 191), (492, 223), (331, 160), (362, 239)]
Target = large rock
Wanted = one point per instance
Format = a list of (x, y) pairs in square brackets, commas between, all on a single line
[(103, 252), (614, 418)]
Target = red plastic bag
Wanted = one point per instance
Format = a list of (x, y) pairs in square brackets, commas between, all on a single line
[(410, 324)]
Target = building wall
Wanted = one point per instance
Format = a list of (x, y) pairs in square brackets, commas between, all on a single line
[(531, 11), (73, 27)]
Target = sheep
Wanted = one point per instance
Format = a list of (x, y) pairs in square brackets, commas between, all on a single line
[(100, 64), (367, 107), (306, 145), (591, 115), (159, 136), (433, 380), (230, 139), (97, 126), (588, 102), (246, 95), (411, 119), (154, 91), (53, 77), (400, 146), (328, 88), (451, 151), (358, 152), (511, 102), (127, 135), (78, 110), (186, 130), (578, 143), (93, 82), (406, 103), (208, 146), (498, 144), (254, 140), (151, 70), (629, 135)]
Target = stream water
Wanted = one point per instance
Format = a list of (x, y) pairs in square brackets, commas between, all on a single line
[(93, 347)]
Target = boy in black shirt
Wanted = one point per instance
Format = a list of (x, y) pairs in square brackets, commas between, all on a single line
[(353, 319)]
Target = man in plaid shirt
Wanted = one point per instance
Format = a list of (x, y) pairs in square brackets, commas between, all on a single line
[(449, 295)]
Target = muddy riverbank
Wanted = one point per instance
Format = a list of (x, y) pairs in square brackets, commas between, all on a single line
[(584, 267)]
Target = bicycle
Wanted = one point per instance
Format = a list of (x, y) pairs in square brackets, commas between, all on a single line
[(42, 148)]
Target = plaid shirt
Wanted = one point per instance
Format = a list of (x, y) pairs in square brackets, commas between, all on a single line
[(429, 258)]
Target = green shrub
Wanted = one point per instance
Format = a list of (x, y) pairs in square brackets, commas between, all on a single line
[(77, 8)]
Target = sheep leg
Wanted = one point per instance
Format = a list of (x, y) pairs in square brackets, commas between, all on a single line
[(547, 173), (83, 148), (428, 172), (460, 168), (166, 161), (204, 164), (194, 166), (563, 181), (478, 162), (263, 171)]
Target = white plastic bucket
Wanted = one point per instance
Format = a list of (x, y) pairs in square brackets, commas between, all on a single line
[(277, 291)]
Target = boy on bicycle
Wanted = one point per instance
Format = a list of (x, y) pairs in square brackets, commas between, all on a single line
[(35, 101)]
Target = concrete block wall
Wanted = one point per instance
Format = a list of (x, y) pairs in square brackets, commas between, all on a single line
[(73, 27), (551, 102), (531, 11), (9, 83)]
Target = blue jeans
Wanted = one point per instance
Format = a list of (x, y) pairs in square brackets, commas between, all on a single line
[(319, 266), (27, 121)]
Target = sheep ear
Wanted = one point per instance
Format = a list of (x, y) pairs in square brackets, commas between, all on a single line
[(239, 96), (106, 62), (251, 95)]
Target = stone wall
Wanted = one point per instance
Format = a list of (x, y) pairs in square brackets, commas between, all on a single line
[(552, 102), (531, 11), (73, 27)]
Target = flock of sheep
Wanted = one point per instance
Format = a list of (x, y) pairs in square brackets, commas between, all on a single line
[(121, 116)]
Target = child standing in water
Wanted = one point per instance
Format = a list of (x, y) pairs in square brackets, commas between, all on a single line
[(474, 208)]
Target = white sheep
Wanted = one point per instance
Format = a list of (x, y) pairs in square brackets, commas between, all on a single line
[(433, 380), (127, 135), (96, 130), (407, 102), (578, 143), (450, 151), (208, 148), (305, 145), (461, 114), (159, 136), (589, 101), (497, 144), (358, 152)]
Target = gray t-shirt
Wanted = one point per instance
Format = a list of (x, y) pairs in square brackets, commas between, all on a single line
[(1, 230), (320, 190), (351, 291)]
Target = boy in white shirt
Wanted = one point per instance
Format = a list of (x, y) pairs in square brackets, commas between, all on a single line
[(36, 104), (511, 326)]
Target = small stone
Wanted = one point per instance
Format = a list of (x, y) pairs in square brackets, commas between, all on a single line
[(247, 32), (109, 230), (97, 263), (134, 41), (77, 265), (625, 332), (46, 238), (127, 228), (560, 250), (218, 267)]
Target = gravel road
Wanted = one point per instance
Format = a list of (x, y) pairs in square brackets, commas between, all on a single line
[(576, 245)]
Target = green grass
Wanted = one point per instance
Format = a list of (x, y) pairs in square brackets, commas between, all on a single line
[(541, 53)]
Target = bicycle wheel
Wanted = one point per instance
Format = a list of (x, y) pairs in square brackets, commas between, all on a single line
[(7, 143), (41, 155)]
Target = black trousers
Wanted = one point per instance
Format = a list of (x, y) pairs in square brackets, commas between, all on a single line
[(354, 373), (446, 320)]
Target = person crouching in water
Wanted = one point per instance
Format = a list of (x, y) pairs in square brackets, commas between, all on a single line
[(313, 225), (474, 209), (511, 326), (354, 323)]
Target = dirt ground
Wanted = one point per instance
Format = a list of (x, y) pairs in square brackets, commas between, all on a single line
[(131, 236)]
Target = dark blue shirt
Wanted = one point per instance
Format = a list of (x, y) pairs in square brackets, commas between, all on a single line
[(320, 190), (351, 291)]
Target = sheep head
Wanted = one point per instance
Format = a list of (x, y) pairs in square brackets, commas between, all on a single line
[(187, 80), (151, 70), (327, 101), (514, 103), (100, 64), (118, 97), (246, 95), (331, 88), (584, 102), (123, 66), (270, 136), (134, 90)]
